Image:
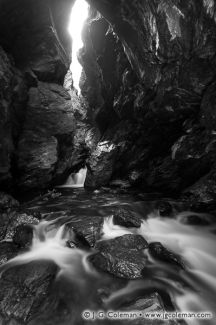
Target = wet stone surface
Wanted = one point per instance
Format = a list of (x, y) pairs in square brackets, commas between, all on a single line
[(197, 220), (33, 294), (159, 252), (23, 235), (89, 229), (165, 209), (8, 250), (122, 256), (126, 219), (24, 289)]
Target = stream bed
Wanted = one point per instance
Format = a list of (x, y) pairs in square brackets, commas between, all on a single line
[(80, 257)]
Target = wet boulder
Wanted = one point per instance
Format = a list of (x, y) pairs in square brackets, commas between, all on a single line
[(164, 208), (9, 221), (153, 303), (19, 220), (202, 193), (8, 250), (122, 256), (79, 240), (24, 289), (87, 230), (159, 252), (197, 219), (23, 235), (126, 218)]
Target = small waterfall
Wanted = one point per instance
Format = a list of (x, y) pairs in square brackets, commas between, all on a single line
[(76, 180), (50, 244)]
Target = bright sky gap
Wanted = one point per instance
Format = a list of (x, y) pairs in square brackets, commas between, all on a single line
[(78, 16)]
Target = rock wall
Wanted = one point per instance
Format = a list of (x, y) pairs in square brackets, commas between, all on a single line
[(155, 63), (147, 113), (36, 113)]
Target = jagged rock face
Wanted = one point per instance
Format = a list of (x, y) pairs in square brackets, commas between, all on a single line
[(49, 115), (35, 33), (37, 113), (155, 33), (13, 96), (5, 127), (162, 74), (148, 81)]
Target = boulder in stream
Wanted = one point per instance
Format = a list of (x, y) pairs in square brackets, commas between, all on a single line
[(126, 218), (24, 289), (122, 256), (159, 252), (23, 235), (87, 230)]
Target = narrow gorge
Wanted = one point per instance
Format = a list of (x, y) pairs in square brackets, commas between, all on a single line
[(107, 162)]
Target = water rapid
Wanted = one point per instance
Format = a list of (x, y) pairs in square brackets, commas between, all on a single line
[(192, 289)]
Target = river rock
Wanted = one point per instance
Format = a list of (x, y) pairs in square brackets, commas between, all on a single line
[(196, 220), (122, 256), (9, 221), (8, 250), (125, 218), (87, 230), (159, 252), (164, 208), (24, 289), (23, 235)]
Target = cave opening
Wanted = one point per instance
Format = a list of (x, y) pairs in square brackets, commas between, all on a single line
[(78, 17)]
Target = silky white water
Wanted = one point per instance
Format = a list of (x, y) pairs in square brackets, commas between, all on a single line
[(197, 247), (192, 289), (76, 180), (50, 244)]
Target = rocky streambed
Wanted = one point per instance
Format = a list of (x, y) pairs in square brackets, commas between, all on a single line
[(67, 252)]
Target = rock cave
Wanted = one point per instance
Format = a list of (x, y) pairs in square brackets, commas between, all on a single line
[(107, 162)]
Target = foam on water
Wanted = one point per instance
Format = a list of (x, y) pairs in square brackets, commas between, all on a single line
[(193, 289), (195, 244), (50, 244), (75, 180)]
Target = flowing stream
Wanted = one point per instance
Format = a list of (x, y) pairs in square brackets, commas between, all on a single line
[(192, 289), (197, 247)]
